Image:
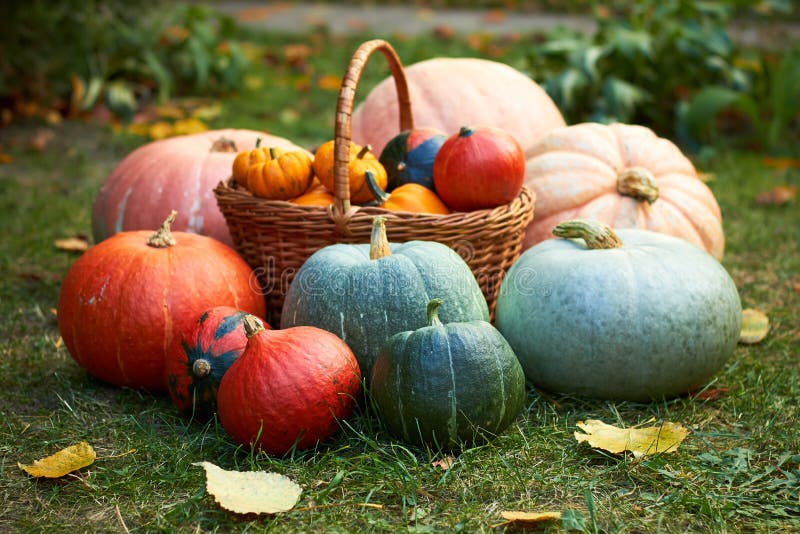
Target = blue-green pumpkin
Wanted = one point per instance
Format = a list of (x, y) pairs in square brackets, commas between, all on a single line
[(408, 157), (366, 293), (632, 315), (446, 385)]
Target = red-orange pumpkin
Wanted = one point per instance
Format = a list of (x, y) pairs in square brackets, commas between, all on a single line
[(177, 173), (125, 302), (478, 168), (447, 93), (288, 389), (207, 350), (624, 176)]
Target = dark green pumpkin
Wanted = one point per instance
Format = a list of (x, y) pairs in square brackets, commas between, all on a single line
[(631, 315), (408, 157), (448, 384), (366, 293)]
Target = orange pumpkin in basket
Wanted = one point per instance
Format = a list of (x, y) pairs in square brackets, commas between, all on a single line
[(315, 196), (246, 158), (361, 160), (283, 176), (410, 196), (625, 176)]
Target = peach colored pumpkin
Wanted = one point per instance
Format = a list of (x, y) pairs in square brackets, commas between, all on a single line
[(175, 173), (625, 176), (448, 93)]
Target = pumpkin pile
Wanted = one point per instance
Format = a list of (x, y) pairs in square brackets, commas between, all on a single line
[(628, 301), (419, 171)]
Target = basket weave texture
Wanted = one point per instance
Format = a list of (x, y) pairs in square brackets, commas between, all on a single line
[(276, 237)]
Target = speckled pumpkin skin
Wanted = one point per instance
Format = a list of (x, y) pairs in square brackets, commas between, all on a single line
[(653, 319), (364, 302), (448, 385)]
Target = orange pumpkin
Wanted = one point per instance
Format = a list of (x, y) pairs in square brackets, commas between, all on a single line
[(410, 196), (625, 176), (315, 196), (361, 161), (246, 158), (447, 93), (283, 176)]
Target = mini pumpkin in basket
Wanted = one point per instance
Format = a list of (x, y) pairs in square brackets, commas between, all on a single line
[(276, 237)]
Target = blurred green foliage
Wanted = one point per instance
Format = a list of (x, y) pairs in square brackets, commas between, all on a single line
[(73, 53)]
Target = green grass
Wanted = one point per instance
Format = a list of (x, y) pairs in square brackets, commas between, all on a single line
[(739, 470)]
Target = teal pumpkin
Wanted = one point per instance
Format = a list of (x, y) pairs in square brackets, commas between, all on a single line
[(408, 157), (447, 384), (366, 293), (633, 315)]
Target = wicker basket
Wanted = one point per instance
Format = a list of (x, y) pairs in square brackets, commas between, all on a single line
[(276, 237)]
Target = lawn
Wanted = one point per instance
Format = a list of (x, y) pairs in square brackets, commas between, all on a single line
[(739, 469)]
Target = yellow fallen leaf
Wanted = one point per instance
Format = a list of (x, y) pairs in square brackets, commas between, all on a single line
[(63, 462), (640, 441), (207, 113), (159, 130), (755, 326), (444, 463), (529, 519), (253, 82), (170, 111), (72, 244), (253, 492), (189, 126), (329, 82)]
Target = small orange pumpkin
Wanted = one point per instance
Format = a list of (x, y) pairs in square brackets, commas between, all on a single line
[(283, 176), (315, 196), (361, 160), (410, 196), (246, 158)]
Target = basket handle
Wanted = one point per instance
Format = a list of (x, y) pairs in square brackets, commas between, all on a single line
[(344, 112)]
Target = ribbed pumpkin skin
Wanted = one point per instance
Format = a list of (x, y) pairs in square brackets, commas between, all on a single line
[(289, 386), (364, 302), (177, 173), (408, 157), (447, 93), (123, 304), (447, 385), (218, 338), (653, 319), (574, 173)]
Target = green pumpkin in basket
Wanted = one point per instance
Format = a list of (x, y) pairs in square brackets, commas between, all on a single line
[(367, 293)]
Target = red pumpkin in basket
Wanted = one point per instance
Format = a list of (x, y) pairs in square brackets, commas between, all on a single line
[(288, 389), (624, 176), (207, 349), (447, 93), (124, 304), (177, 173), (478, 168)]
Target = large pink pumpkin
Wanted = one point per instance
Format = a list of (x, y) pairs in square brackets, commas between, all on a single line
[(625, 176), (448, 93), (178, 173)]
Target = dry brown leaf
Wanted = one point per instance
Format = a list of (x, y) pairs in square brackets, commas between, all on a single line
[(41, 139), (444, 463), (63, 462), (444, 31), (253, 492), (530, 519), (53, 117), (640, 441), (494, 16), (712, 394), (329, 82), (755, 326), (72, 244), (5, 158), (777, 196), (781, 163)]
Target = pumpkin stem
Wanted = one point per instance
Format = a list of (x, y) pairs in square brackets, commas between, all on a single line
[(162, 238), (252, 325), (258, 142), (363, 151), (201, 368), (639, 183), (466, 131), (433, 312), (401, 166), (273, 154), (223, 144), (380, 195), (378, 242), (596, 234)]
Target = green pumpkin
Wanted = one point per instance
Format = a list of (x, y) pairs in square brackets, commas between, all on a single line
[(636, 315), (366, 293), (447, 384)]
